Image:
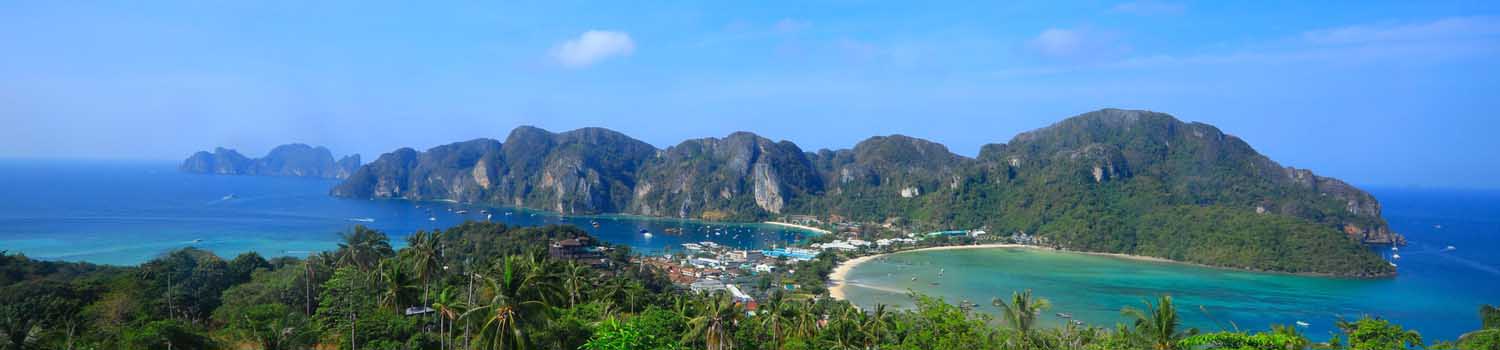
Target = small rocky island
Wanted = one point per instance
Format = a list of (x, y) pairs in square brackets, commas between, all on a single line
[(286, 160)]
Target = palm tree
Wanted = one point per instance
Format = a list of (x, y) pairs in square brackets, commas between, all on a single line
[(1021, 314), (715, 323), (877, 325), (774, 315), (844, 329), (363, 248), (448, 309), (422, 253), (1298, 340), (635, 295), (1158, 323), (396, 287), (516, 298), (575, 280)]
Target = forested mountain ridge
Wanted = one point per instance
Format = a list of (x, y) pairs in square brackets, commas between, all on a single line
[(286, 160), (1112, 180)]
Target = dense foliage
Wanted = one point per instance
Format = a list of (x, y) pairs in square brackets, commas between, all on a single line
[(489, 286)]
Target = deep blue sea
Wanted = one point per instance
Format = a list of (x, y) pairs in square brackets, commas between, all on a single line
[(127, 212)]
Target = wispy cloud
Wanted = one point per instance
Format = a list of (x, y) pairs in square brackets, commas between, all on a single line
[(1076, 43), (593, 46), (1431, 41), (1149, 8), (1442, 29)]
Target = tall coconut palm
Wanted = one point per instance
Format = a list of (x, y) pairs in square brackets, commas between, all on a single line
[(422, 254), (575, 279), (397, 289), (1158, 323), (448, 306), (774, 315), (515, 298), (635, 296), (844, 329), (1021, 314), (363, 248), (877, 325), (715, 323)]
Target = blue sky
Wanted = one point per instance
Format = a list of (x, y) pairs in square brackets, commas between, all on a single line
[(1377, 93)]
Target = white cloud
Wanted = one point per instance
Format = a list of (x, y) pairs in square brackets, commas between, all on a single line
[(593, 46), (1058, 42), (1077, 44), (1149, 8), (1442, 29)]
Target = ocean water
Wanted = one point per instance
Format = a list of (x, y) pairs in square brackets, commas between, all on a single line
[(1436, 292), (127, 212)]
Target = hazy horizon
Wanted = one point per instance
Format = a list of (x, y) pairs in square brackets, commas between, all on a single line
[(1381, 94)]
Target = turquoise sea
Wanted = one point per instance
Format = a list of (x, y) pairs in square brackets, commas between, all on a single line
[(127, 212), (1437, 292)]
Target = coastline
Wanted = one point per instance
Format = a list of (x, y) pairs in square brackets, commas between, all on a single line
[(837, 278), (796, 226)]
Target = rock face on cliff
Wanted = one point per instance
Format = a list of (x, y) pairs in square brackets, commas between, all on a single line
[(285, 160), (1110, 180)]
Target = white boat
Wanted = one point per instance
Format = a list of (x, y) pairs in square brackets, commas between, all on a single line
[(431, 218), (1394, 248), (1303, 324), (647, 235), (362, 219), (1450, 248), (1395, 256), (1393, 264)]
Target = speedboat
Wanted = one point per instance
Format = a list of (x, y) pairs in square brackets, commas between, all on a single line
[(647, 235), (1064, 315), (1450, 248), (431, 218), (1395, 256), (1303, 324)]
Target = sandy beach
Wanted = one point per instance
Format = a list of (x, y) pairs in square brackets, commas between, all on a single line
[(837, 278)]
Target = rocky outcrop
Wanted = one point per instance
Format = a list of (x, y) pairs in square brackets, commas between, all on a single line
[(1086, 181), (285, 160)]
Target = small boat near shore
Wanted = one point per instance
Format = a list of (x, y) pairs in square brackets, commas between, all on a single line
[(1303, 324)]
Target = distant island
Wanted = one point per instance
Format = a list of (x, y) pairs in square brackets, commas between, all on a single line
[(1116, 181), (286, 160)]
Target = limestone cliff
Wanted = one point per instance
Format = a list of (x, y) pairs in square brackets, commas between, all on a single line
[(285, 160)]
